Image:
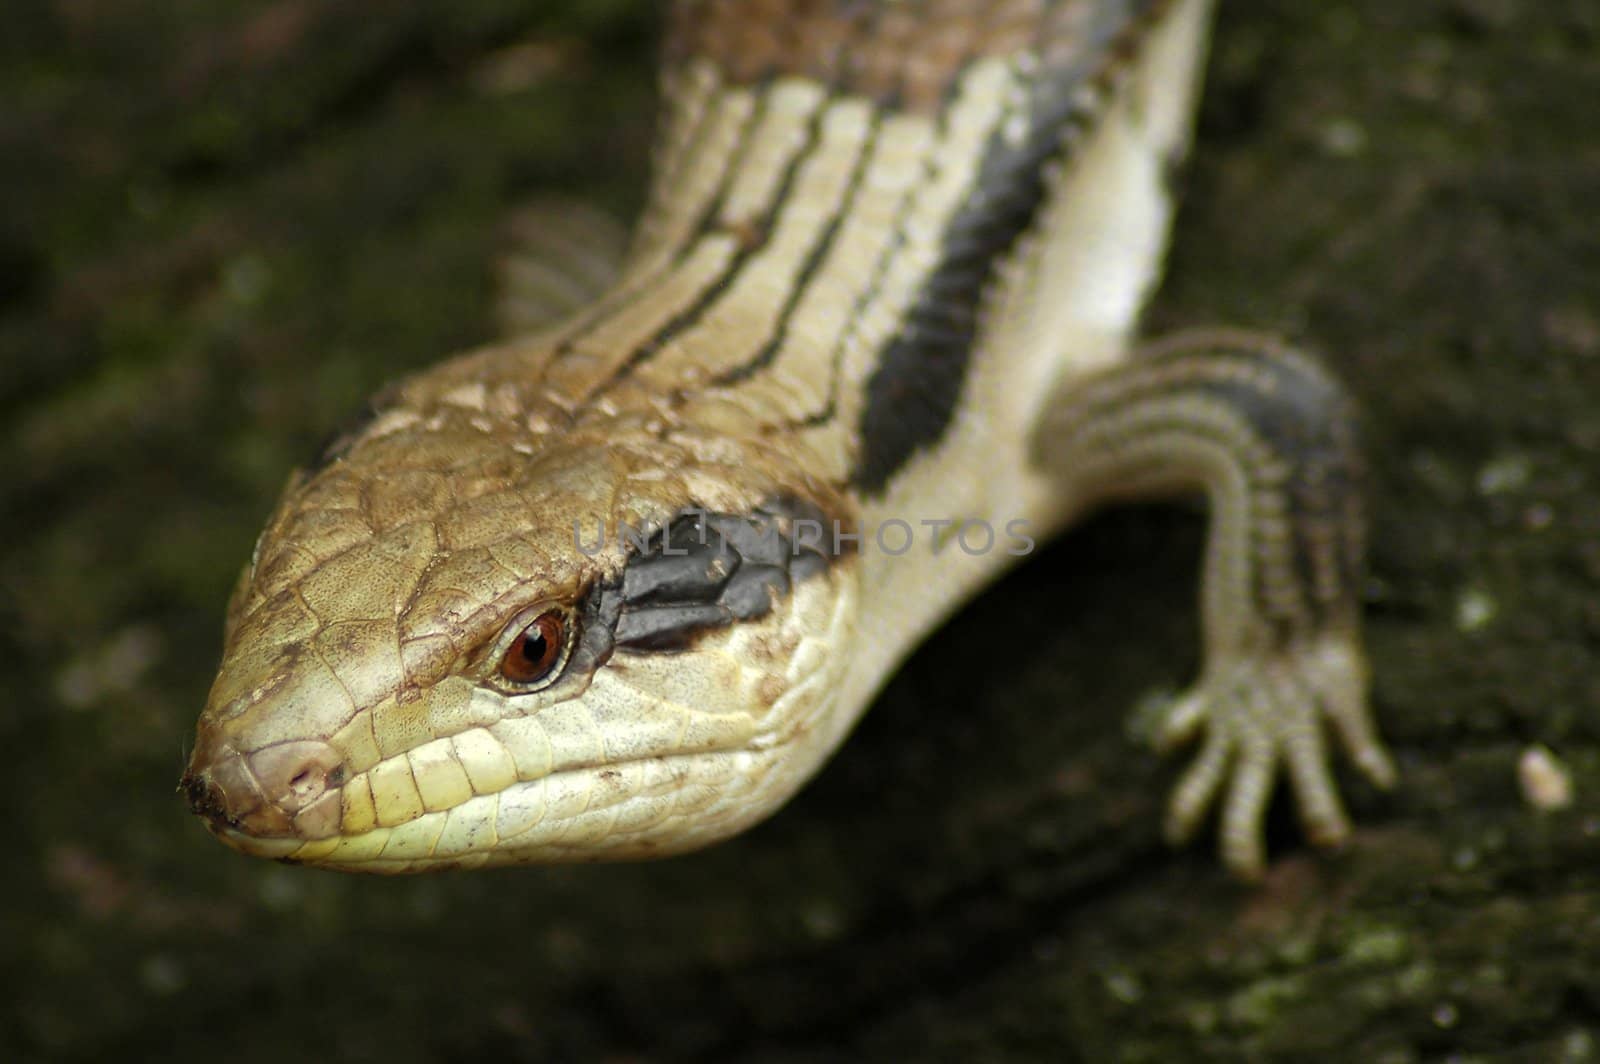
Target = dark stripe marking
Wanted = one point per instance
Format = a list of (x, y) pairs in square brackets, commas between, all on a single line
[(865, 298), (1304, 418), (912, 393), (612, 303), (761, 233), (812, 263), (707, 571)]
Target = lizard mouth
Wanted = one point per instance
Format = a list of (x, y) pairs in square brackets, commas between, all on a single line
[(626, 810)]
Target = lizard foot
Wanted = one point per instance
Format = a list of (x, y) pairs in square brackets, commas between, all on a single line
[(1261, 713)]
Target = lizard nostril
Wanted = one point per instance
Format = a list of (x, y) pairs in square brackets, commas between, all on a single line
[(308, 784), (293, 775)]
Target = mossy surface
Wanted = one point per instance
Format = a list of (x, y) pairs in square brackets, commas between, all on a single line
[(226, 223)]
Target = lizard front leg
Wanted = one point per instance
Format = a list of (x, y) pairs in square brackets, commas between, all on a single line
[(1269, 438)]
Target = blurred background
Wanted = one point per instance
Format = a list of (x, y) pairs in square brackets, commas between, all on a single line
[(224, 224)]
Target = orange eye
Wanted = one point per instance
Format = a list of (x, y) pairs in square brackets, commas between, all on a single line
[(537, 651)]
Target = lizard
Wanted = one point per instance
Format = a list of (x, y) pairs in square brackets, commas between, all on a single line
[(616, 588)]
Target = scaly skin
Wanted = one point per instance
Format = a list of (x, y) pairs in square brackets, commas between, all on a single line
[(892, 262)]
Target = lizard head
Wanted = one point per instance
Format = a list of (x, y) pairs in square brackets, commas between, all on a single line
[(468, 638)]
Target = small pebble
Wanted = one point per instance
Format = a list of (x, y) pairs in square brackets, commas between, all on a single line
[(1546, 783)]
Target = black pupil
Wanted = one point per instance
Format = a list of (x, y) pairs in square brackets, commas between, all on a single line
[(534, 646)]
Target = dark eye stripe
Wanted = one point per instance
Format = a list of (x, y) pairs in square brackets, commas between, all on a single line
[(667, 627), (721, 568)]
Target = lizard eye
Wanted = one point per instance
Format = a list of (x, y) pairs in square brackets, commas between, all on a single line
[(536, 650)]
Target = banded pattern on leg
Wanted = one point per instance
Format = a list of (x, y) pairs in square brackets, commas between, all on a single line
[(1269, 438)]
